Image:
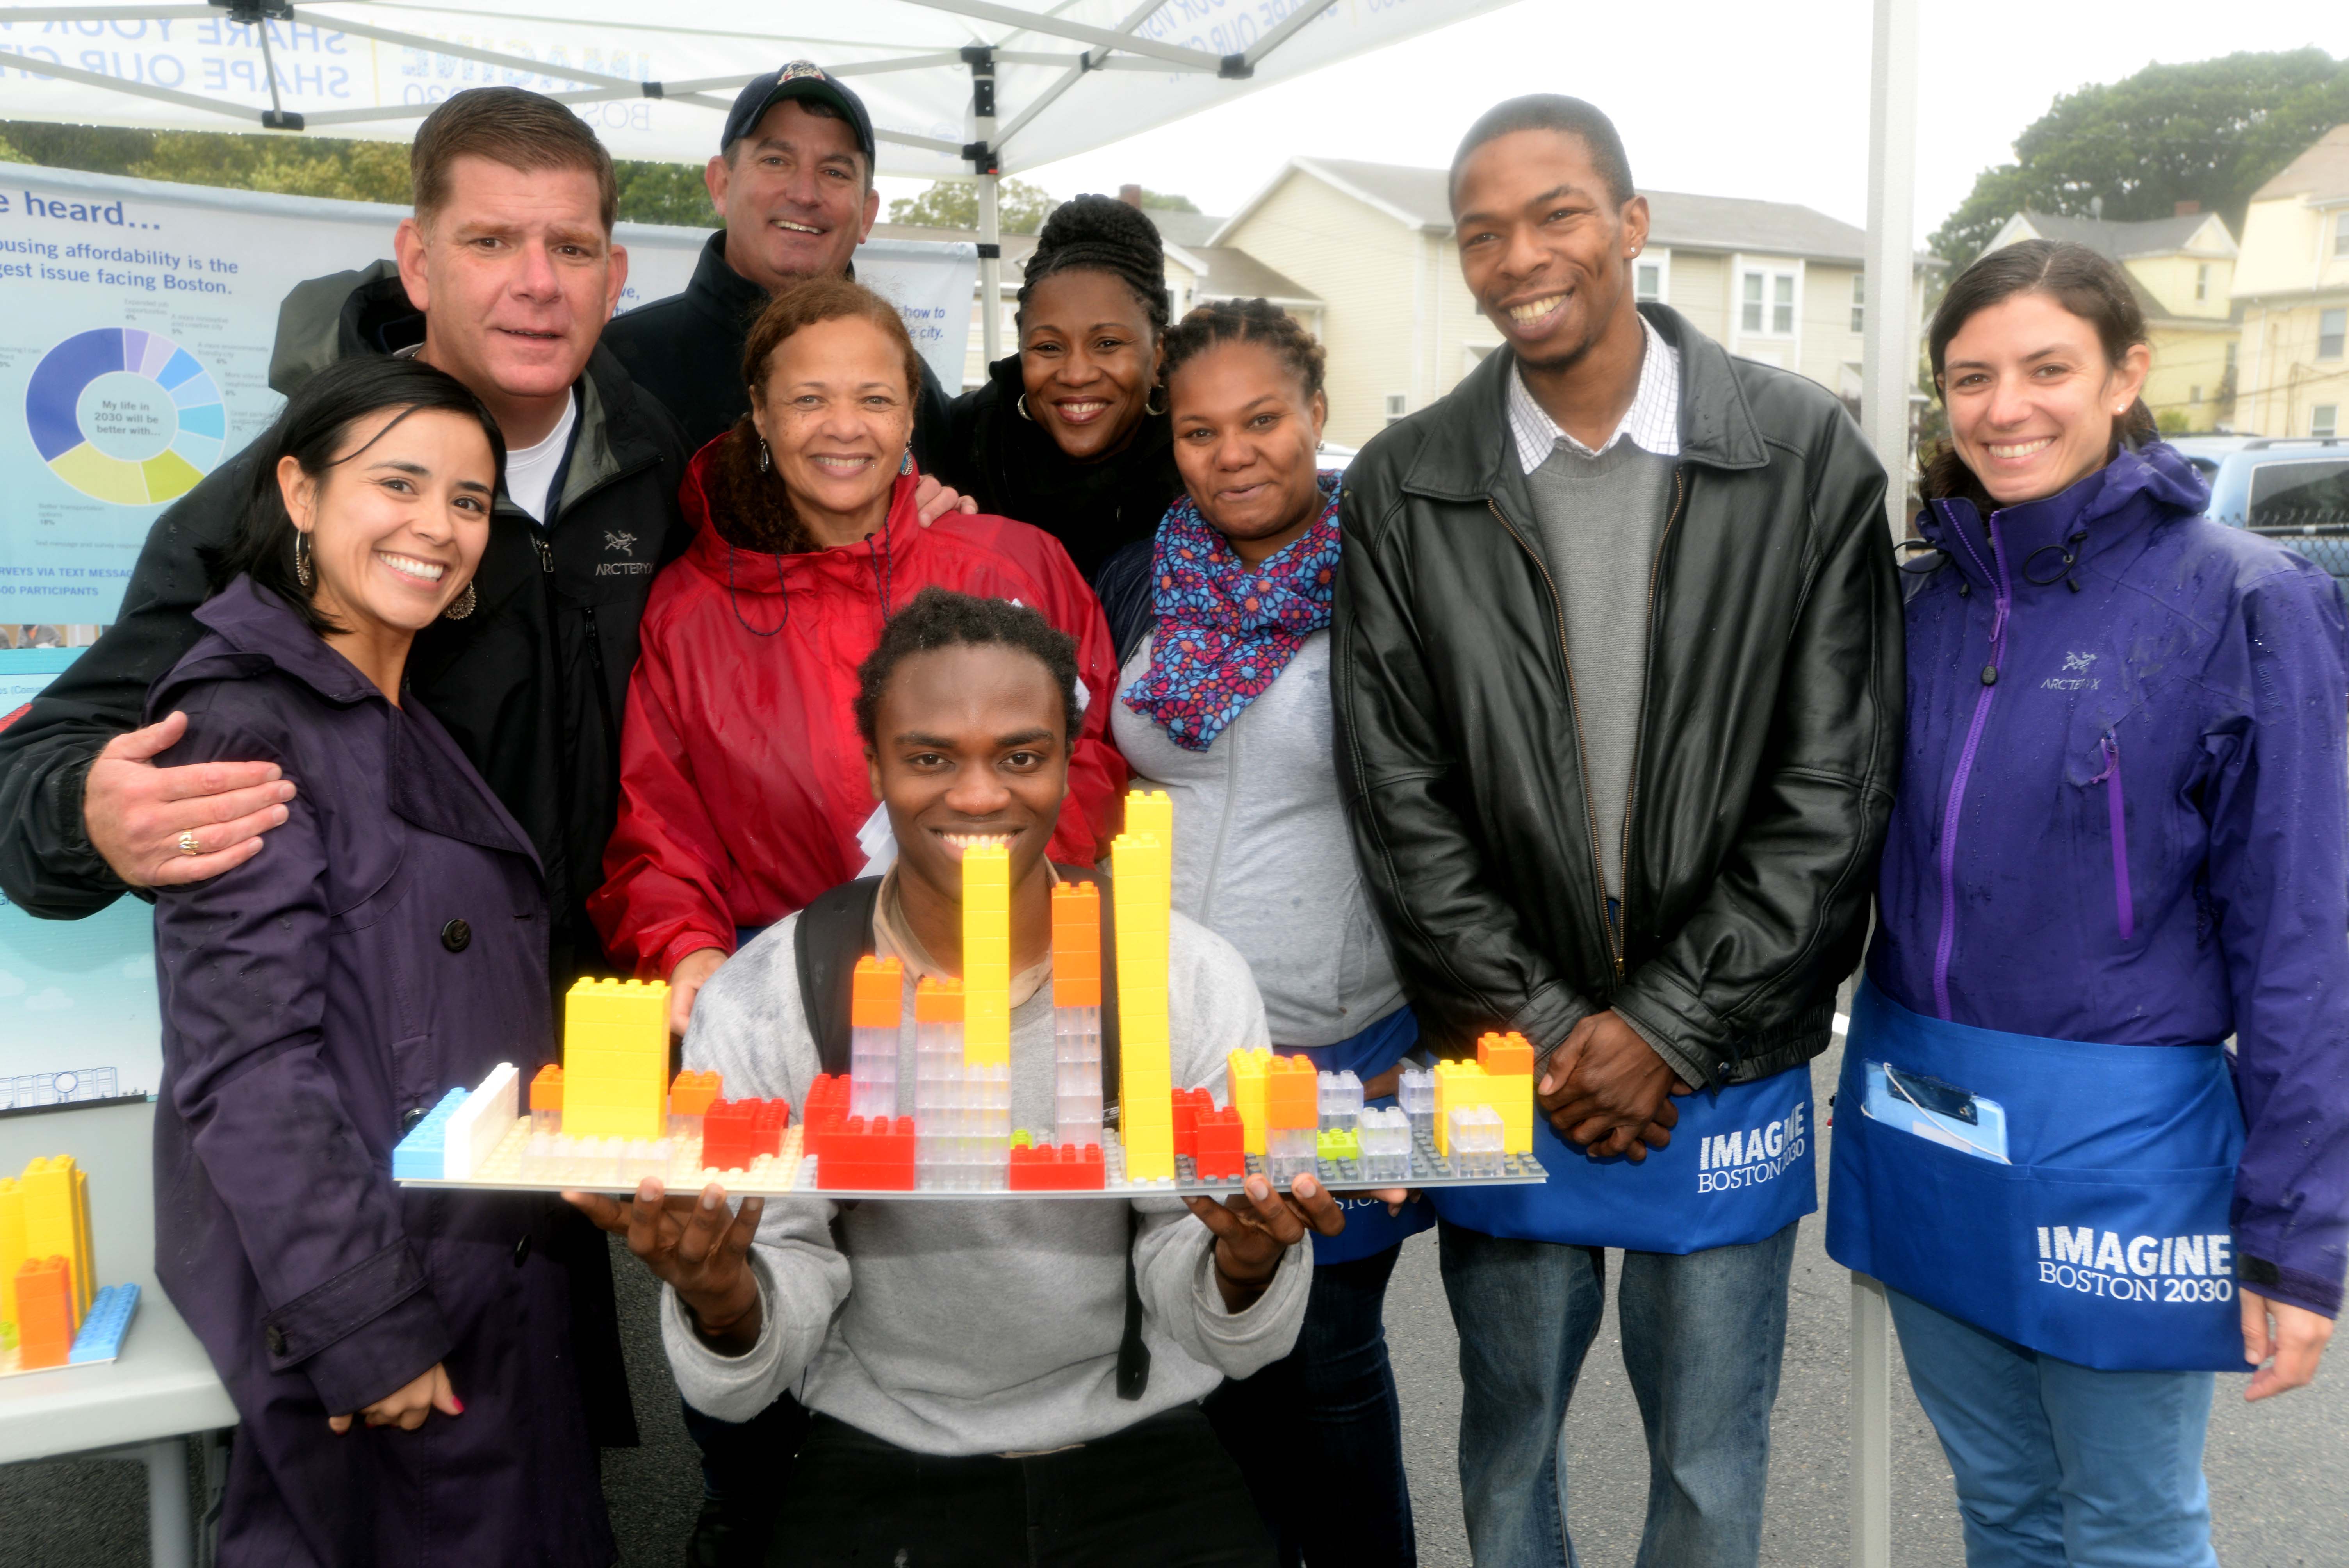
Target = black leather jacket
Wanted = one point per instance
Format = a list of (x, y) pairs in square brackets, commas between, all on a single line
[(1768, 741)]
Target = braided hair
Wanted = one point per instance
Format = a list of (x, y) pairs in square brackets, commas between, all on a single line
[(1103, 234), (1256, 320)]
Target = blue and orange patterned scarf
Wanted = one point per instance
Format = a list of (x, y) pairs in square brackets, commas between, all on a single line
[(1226, 631)]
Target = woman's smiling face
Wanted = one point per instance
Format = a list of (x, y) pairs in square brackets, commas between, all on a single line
[(1088, 359), (2032, 401), (399, 523)]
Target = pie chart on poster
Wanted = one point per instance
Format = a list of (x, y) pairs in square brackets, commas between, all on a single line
[(125, 416)]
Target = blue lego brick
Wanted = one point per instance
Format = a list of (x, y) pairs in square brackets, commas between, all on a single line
[(100, 1338), (422, 1154)]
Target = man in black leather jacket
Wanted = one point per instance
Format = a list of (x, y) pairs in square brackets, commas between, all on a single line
[(1618, 680)]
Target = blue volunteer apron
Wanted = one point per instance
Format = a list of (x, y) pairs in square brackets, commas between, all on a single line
[(1740, 1169), (1370, 1229), (2103, 1241)]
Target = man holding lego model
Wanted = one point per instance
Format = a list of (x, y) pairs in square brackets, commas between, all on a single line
[(972, 1366), (1618, 678)]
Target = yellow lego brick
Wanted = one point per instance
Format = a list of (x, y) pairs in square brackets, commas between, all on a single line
[(12, 1245), (597, 1121), (1151, 811), (1150, 1165), (56, 1218)]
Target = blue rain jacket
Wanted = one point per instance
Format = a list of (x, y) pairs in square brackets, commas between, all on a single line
[(2122, 816)]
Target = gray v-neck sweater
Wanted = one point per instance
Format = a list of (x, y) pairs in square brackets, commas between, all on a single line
[(1601, 519)]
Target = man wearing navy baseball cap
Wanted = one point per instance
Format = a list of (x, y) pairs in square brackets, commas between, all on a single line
[(793, 179)]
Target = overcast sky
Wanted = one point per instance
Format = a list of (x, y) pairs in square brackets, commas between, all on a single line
[(1727, 99)]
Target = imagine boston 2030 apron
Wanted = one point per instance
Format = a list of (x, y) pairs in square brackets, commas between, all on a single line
[(2071, 1197)]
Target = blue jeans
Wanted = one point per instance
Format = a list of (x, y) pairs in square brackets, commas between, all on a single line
[(1703, 1335), (2058, 1464), (1318, 1433)]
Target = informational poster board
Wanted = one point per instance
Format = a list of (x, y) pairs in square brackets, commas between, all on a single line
[(134, 358)]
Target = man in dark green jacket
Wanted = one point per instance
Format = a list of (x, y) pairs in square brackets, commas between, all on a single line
[(1618, 678)]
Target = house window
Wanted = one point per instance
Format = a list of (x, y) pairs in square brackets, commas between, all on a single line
[(1396, 408), (2341, 236), (2202, 281), (2331, 326), (1860, 301), (1649, 283), (1768, 303), (2325, 419)]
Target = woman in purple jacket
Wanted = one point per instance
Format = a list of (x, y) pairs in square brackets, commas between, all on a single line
[(400, 1362), (2120, 840)]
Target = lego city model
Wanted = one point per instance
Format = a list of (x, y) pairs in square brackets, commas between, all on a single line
[(935, 1121), (52, 1312)]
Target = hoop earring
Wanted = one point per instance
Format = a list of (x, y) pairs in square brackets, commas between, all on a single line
[(905, 463), (1146, 403), (1022, 406), (766, 459), (461, 605), (302, 558)]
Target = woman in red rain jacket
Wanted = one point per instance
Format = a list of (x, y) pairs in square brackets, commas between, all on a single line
[(743, 784)]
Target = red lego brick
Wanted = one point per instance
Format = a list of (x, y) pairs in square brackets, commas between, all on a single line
[(869, 1157), (734, 1132), (1189, 1105), (45, 1313), (1221, 1148), (1063, 1168)]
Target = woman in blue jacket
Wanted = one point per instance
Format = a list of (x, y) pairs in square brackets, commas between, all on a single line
[(1224, 704), (2120, 840)]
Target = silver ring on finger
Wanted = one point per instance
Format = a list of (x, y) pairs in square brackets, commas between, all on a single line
[(188, 845)]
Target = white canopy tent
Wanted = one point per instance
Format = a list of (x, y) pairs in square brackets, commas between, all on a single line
[(957, 88)]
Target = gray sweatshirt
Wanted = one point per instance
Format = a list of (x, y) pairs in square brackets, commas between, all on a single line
[(1262, 852), (969, 1326)]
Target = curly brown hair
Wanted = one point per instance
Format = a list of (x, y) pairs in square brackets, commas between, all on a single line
[(1246, 321), (749, 507)]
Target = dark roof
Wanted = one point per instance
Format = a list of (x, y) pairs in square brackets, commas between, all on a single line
[(1233, 273), (1676, 218), (1188, 229), (2321, 171), (2115, 239)]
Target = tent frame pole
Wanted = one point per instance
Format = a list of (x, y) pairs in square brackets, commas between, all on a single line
[(987, 163)]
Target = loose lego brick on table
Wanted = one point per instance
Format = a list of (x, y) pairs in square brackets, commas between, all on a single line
[(102, 1331), (45, 1313)]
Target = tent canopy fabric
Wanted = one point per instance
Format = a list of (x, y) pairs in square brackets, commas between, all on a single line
[(1059, 78)]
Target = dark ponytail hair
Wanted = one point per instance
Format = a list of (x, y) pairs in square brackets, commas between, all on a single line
[(2084, 283), (1103, 234), (311, 430)]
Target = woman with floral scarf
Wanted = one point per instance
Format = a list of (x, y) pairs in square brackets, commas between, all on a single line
[(1224, 704)]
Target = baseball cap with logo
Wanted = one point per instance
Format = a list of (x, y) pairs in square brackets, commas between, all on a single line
[(800, 79)]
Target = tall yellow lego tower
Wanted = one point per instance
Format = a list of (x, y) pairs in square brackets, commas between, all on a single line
[(616, 1059), (1144, 864), (45, 1214), (986, 954)]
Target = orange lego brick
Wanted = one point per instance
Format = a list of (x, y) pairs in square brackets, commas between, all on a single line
[(937, 1001), (876, 992), (1292, 1093), (546, 1088), (45, 1313), (1502, 1054), (692, 1093)]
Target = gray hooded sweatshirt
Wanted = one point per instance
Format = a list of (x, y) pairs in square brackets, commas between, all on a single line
[(976, 1327)]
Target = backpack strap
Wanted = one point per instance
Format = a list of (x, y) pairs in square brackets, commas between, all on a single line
[(833, 933), (836, 930)]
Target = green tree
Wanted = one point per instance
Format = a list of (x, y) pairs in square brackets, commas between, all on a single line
[(664, 193), (1021, 208), (1167, 201), (2211, 131)]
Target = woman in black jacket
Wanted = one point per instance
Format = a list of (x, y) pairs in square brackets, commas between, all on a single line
[(1066, 434)]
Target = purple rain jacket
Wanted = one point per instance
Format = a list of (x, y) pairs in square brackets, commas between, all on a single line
[(2121, 817), (389, 941)]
